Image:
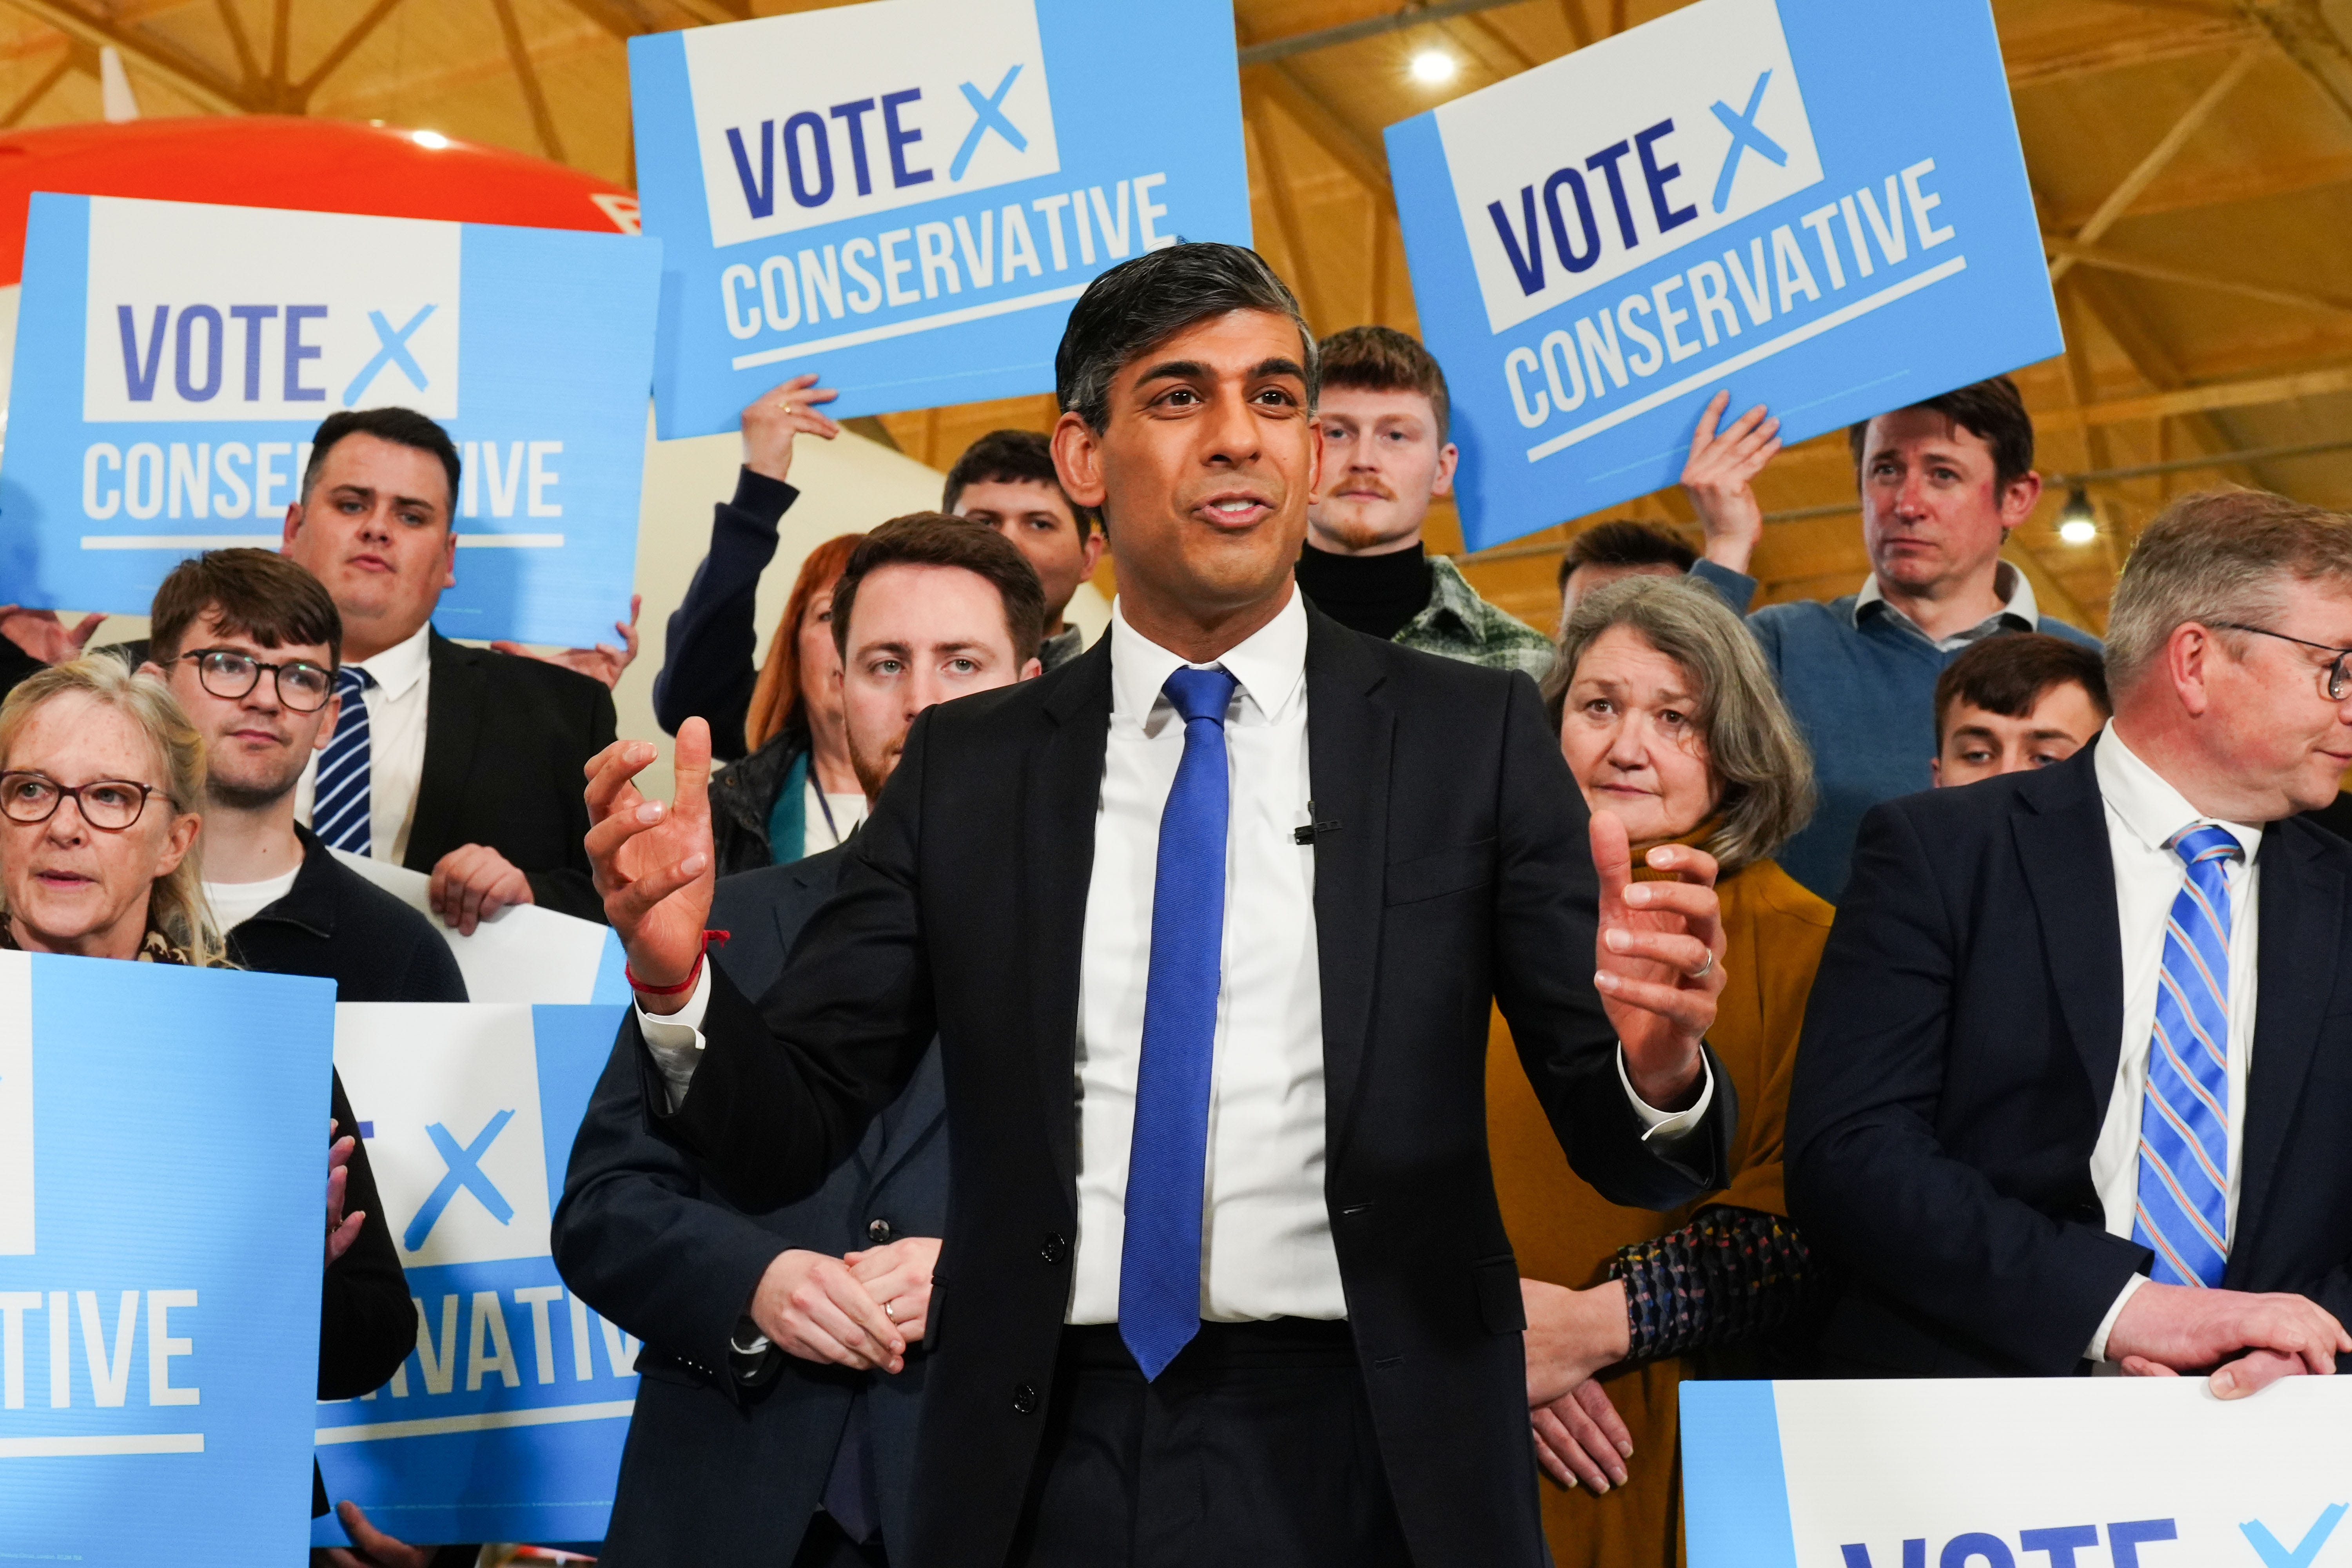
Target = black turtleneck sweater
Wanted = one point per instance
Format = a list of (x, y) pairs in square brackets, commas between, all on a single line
[(1372, 593)]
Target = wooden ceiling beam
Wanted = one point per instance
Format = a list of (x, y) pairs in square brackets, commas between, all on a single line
[(713, 12), (233, 26), (25, 100), (1361, 157), (526, 76), (2245, 183), (183, 73), (2254, 394), (2164, 272), (1286, 211), (2143, 173), (2304, 34), (353, 37), (2110, 54), (616, 17)]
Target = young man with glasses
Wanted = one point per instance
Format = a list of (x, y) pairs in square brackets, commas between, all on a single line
[(249, 643)]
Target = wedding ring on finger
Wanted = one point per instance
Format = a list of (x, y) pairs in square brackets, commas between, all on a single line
[(890, 1310), (1704, 970)]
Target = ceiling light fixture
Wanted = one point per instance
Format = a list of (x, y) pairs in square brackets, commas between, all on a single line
[(1434, 68), (2077, 523), (432, 138)]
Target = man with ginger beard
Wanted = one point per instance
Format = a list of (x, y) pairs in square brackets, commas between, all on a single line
[(759, 1434), (1384, 416)]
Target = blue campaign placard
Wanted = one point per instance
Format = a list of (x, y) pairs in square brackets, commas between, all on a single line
[(508, 1421), (905, 195), (173, 361), (1740, 195), (163, 1203)]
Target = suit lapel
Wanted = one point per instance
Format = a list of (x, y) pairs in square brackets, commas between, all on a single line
[(2062, 840), (2302, 906), (453, 720), (1061, 799), (1349, 733)]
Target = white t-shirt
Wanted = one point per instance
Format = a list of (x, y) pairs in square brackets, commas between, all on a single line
[(234, 903), (845, 812)]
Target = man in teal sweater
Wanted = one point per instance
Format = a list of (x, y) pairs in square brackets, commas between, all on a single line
[(1943, 482)]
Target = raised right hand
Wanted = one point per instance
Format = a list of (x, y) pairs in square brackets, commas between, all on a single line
[(40, 634), (1720, 476), (813, 1306), (653, 862), (2250, 1340), (777, 416)]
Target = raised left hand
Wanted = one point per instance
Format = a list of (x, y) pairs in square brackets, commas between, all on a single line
[(1660, 952), (472, 884), (899, 1276), (342, 1229), (604, 662)]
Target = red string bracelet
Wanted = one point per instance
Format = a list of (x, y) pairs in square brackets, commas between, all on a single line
[(710, 938)]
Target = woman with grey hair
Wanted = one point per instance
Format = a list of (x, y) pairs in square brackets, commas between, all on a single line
[(1669, 718)]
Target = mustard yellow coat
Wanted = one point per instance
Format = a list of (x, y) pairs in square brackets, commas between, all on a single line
[(1566, 1233)]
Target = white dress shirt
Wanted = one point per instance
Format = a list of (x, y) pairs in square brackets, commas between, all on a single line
[(2017, 611), (2144, 815), (1266, 1233), (396, 708)]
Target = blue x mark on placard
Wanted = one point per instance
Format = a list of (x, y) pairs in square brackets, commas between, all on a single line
[(465, 1172), (1744, 135), (394, 351), (992, 118)]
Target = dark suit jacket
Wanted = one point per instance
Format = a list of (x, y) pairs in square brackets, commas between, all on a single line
[(716, 1471), (1458, 871), (506, 741), (338, 925), (1958, 1060)]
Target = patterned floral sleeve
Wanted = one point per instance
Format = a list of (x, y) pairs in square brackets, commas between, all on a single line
[(1730, 1276)]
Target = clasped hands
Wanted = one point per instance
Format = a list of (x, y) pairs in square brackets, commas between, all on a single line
[(2250, 1341), (1659, 957), (860, 1310)]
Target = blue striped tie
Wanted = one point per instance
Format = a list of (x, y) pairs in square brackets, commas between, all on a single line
[(1159, 1259), (2183, 1211), (340, 811)]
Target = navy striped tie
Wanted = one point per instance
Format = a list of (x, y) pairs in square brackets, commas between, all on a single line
[(339, 811), (2183, 1209)]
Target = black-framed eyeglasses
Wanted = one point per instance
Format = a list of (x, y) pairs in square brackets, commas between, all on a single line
[(302, 687), (2336, 682), (110, 806)]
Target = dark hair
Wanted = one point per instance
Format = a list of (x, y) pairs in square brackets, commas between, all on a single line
[(1625, 543), (1151, 299), (401, 426), (1012, 458), (258, 592), (2009, 674), (936, 539), (1992, 412), (1381, 359)]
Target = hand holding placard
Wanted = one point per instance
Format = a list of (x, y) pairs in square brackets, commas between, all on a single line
[(775, 417), (1720, 479), (2166, 1330)]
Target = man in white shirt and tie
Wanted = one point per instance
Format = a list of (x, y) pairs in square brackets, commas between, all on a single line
[(1207, 923), (2075, 1079)]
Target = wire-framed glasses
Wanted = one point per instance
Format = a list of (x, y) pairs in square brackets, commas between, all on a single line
[(2335, 681)]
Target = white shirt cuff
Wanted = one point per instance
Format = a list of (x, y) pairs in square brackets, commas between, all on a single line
[(2098, 1351), (1667, 1127), (675, 1039)]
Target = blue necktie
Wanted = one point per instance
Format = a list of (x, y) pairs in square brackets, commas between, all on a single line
[(1160, 1261), (340, 805), (2183, 1211)]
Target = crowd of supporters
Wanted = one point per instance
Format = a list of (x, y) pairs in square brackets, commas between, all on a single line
[(1993, 1093)]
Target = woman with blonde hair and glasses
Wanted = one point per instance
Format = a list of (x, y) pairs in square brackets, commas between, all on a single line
[(1668, 717), (100, 777)]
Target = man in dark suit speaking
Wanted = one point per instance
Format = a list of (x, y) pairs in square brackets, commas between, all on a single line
[(1207, 922), (2056, 1105)]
